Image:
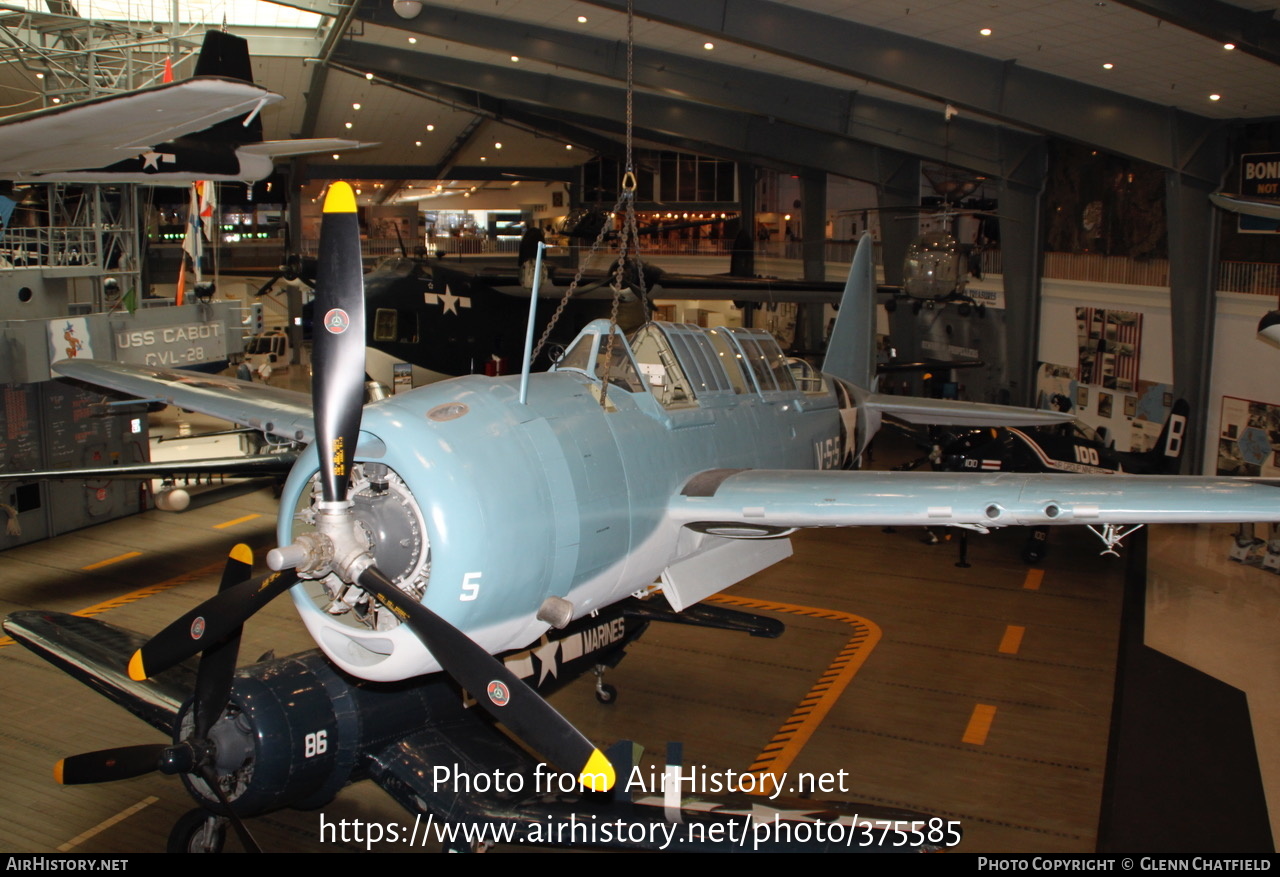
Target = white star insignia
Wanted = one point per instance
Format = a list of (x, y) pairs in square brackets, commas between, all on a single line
[(547, 658)]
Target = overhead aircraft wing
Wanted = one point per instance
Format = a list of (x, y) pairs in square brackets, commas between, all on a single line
[(229, 467), (271, 410), (762, 500), (1250, 205), (949, 412), (105, 130), (284, 148)]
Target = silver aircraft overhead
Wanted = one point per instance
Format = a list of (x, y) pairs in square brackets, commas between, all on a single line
[(207, 127), (435, 528)]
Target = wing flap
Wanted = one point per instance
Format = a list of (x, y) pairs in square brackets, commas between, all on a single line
[(97, 654), (779, 499), (948, 412), (285, 148), (272, 410)]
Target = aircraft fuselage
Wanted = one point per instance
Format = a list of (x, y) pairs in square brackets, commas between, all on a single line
[(492, 506)]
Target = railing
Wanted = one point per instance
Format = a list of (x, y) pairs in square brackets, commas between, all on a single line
[(49, 247)]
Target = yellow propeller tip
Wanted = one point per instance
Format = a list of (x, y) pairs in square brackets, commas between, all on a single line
[(57, 772), (598, 775), (242, 553), (136, 671), (340, 198)]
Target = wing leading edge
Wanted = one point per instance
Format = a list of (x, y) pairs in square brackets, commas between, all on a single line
[(272, 410), (773, 500)]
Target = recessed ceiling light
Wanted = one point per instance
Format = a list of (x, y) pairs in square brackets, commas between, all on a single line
[(413, 41), (515, 59), (1215, 97), (1108, 66), (708, 46), (1228, 46), (355, 106), (431, 127), (582, 19), (986, 31), (497, 145), (335, 156), (417, 143), (57, 100), (369, 76), (568, 146), (39, 76), (483, 158), (348, 124)]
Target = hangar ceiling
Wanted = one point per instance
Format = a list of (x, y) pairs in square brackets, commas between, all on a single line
[(830, 84)]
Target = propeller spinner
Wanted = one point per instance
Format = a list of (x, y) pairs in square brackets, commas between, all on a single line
[(338, 544)]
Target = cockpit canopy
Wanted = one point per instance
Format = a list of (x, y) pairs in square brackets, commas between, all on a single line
[(683, 363)]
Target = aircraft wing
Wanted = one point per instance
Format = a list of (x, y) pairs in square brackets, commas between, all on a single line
[(105, 130), (284, 148), (97, 654), (271, 410), (1264, 208), (229, 467), (762, 500), (948, 412)]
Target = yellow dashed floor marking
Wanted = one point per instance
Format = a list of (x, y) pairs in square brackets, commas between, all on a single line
[(135, 596), (1012, 639), (234, 521), (106, 823), (111, 560), (795, 732), (979, 724), (1033, 579)]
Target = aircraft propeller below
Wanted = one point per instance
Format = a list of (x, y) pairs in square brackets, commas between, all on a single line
[(337, 397)]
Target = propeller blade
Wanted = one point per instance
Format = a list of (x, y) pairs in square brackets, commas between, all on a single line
[(499, 691), (337, 390), (106, 765), (212, 621), (218, 661)]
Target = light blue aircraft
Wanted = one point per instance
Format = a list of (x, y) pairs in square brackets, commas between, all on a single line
[(441, 526)]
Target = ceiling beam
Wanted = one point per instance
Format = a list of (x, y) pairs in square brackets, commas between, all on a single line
[(964, 142), (1257, 33), (680, 123), (1002, 90)]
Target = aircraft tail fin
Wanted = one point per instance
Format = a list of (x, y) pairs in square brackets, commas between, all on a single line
[(851, 351), (1166, 457), (227, 55)]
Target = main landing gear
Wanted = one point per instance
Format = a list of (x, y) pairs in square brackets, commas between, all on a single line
[(198, 831), (605, 693)]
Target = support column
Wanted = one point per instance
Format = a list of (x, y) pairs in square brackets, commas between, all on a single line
[(813, 250), (1021, 251), (742, 261), (898, 185), (1193, 259)]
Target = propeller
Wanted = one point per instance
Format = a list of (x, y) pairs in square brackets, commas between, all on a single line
[(337, 546), (196, 754)]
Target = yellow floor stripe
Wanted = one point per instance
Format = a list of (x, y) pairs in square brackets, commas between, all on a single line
[(111, 560), (1033, 579), (1012, 639), (795, 732), (140, 594), (234, 521), (106, 823), (979, 724)]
